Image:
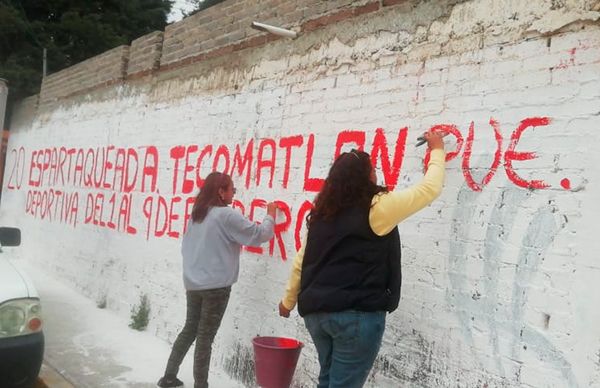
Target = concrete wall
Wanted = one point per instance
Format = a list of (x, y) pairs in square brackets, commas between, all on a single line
[(500, 274)]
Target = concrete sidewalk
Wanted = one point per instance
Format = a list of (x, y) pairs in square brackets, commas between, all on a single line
[(50, 378), (94, 348)]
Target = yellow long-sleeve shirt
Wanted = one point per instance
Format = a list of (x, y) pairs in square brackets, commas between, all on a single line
[(387, 211)]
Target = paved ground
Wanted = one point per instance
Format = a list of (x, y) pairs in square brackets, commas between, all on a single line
[(94, 348), (50, 378)]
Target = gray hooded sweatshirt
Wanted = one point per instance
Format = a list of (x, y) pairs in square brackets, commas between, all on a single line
[(211, 248)]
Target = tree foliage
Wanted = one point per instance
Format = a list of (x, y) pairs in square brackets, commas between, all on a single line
[(71, 31)]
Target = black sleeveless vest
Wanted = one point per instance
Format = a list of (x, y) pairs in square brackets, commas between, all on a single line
[(347, 266)]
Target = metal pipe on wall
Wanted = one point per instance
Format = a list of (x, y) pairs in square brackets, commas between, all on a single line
[(3, 97)]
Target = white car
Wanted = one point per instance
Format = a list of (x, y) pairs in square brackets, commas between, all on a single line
[(21, 336)]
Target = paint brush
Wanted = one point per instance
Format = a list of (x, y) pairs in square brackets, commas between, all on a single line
[(421, 139)]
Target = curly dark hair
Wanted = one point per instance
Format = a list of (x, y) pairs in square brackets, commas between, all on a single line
[(209, 195), (348, 184)]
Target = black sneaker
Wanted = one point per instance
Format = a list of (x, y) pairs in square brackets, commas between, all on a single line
[(169, 382)]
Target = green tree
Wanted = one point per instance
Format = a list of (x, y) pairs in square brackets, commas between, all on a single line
[(71, 31)]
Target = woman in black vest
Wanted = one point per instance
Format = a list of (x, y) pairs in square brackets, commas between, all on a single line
[(347, 274)]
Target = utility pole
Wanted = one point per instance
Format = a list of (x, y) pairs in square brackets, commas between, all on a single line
[(44, 63)]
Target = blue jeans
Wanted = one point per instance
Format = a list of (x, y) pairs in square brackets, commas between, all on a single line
[(347, 343)]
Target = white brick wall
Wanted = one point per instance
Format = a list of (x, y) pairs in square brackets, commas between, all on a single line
[(500, 286)]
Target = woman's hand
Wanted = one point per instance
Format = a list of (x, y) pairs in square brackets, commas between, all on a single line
[(271, 208), (434, 140), (283, 311)]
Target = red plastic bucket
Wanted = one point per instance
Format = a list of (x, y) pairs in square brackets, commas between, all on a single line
[(275, 360)]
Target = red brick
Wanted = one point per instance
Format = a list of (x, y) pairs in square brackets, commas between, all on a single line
[(367, 8), (392, 2)]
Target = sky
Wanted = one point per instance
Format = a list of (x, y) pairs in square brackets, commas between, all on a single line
[(178, 7)]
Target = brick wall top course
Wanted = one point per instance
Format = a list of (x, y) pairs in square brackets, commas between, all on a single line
[(216, 31), (229, 22), (416, 31), (145, 53), (105, 68)]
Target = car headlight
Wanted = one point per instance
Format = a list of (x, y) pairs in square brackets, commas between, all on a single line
[(20, 317)]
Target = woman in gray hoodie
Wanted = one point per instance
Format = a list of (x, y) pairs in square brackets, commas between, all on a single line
[(211, 261)]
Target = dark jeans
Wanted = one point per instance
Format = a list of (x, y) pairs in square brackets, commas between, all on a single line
[(347, 343), (205, 311)]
